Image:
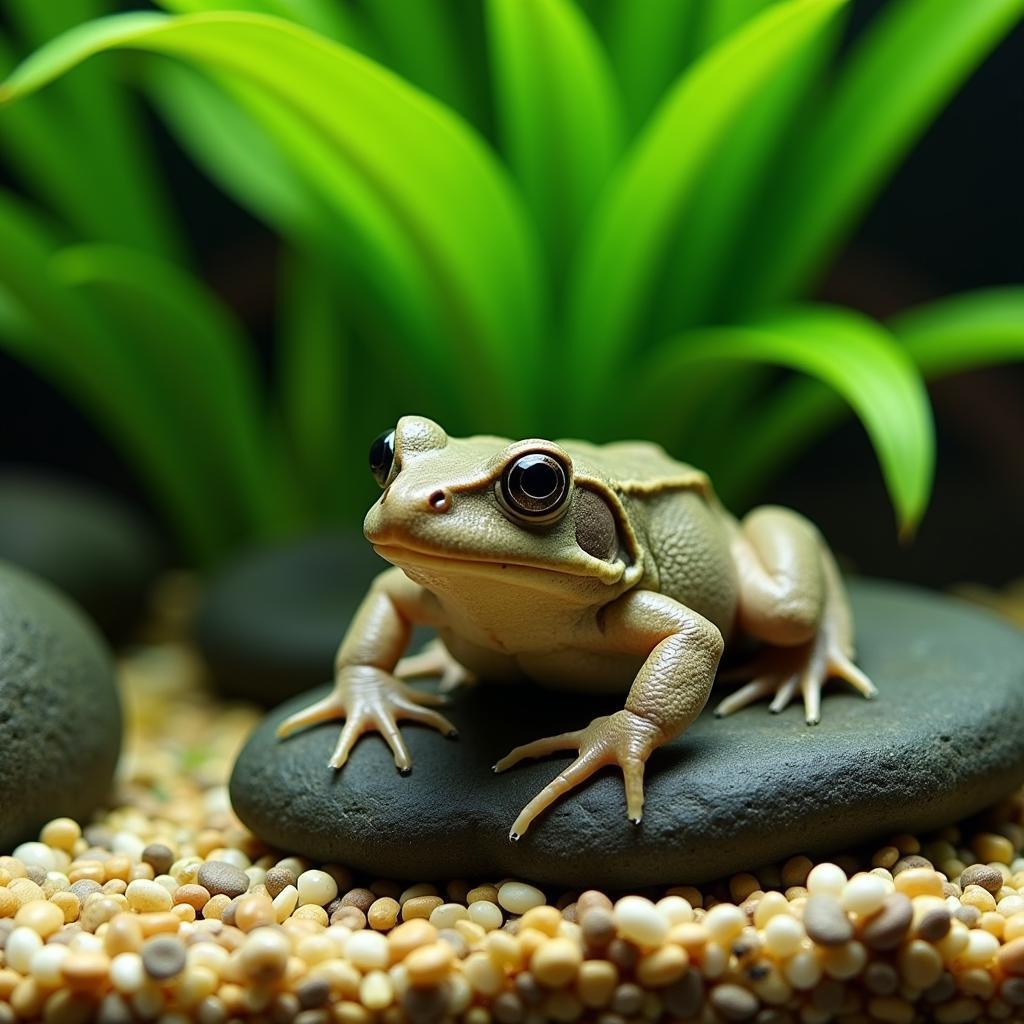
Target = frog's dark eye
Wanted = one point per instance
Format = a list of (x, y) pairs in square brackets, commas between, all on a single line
[(382, 456), (535, 486)]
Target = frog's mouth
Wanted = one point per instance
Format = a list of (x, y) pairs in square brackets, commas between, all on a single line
[(520, 570)]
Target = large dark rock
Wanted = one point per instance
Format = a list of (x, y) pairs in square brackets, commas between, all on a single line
[(60, 717), (270, 623), (83, 541), (944, 739)]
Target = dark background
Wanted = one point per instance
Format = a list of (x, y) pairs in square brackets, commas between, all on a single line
[(951, 219)]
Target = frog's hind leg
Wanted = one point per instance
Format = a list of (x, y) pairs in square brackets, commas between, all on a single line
[(792, 599)]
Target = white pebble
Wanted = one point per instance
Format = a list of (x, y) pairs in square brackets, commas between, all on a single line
[(316, 887), (863, 894), (826, 879), (127, 973), (486, 914), (675, 910), (802, 970), (982, 946), (638, 920), (518, 897), (22, 945), (45, 965), (285, 902), (128, 844), (36, 854), (368, 950), (724, 922), (447, 914), (783, 934)]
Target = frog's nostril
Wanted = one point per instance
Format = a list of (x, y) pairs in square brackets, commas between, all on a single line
[(440, 501)]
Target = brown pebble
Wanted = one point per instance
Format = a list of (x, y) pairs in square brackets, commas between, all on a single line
[(888, 927), (934, 924), (425, 1005), (1011, 957), (313, 993), (623, 954), (351, 917), (362, 899), (970, 916), (158, 857), (196, 896), (598, 926), (277, 880), (1012, 991), (826, 922), (913, 860), (590, 899), (881, 978), (684, 998), (222, 879), (163, 957), (981, 874), (627, 999), (733, 1002)]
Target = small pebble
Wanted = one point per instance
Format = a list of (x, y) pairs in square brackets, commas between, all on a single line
[(277, 879), (158, 857), (222, 879), (887, 928), (638, 919), (163, 957), (987, 877), (826, 922), (518, 897)]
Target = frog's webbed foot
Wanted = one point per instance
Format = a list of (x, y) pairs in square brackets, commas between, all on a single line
[(369, 699), (780, 672), (435, 660), (623, 738)]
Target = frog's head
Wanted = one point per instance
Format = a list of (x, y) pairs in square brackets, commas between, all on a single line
[(491, 508)]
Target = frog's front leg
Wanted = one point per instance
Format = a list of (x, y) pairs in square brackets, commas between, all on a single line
[(682, 651), (792, 599), (367, 695)]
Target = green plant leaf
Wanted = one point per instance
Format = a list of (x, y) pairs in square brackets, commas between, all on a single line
[(636, 215), (648, 43), (94, 118), (457, 216), (421, 40), (964, 332), (313, 339), (51, 329), (970, 331), (855, 357), (195, 355), (735, 182), (559, 115), (899, 75)]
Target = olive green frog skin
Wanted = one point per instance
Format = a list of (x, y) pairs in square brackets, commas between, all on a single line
[(598, 568)]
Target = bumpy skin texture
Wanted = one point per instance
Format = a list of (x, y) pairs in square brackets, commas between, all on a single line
[(638, 575)]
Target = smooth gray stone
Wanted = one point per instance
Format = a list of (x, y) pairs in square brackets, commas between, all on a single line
[(83, 541), (944, 739), (270, 622), (60, 715)]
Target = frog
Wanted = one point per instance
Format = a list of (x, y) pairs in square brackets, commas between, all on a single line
[(598, 568)]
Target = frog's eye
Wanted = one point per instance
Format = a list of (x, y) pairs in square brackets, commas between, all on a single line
[(535, 487), (382, 456)]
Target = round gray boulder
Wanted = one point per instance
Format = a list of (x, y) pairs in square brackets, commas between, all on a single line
[(944, 739), (60, 715)]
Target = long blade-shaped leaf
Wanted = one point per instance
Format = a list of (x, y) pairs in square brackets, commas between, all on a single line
[(189, 347), (59, 336), (649, 43), (457, 214), (855, 357), (559, 112), (734, 182), (97, 121), (899, 75), (964, 332), (313, 340), (635, 218)]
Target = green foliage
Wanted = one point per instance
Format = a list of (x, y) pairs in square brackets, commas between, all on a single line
[(587, 217)]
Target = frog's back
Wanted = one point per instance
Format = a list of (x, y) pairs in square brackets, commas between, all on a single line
[(679, 525)]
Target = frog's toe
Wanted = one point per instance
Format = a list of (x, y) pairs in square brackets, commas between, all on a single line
[(539, 748), (764, 686), (322, 711), (840, 666), (579, 771)]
